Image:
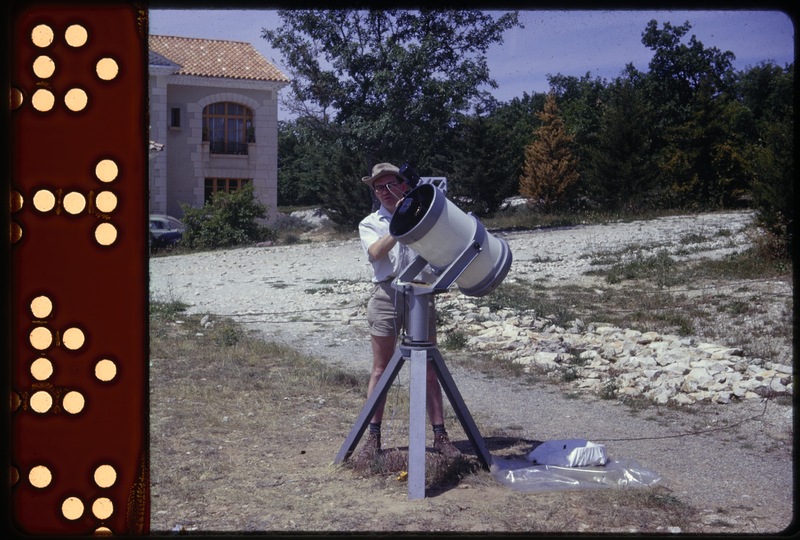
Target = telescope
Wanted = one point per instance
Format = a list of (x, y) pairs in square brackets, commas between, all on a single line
[(455, 244)]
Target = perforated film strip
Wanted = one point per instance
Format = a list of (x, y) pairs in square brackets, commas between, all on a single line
[(78, 443)]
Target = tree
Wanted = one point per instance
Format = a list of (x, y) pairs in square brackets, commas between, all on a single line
[(703, 161), (689, 84), (480, 177), (299, 161), (768, 91), (347, 198), (773, 186), (488, 153), (622, 173), (550, 168), (680, 71), (388, 85)]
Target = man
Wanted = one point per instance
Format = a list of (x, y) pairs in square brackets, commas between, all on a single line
[(387, 308)]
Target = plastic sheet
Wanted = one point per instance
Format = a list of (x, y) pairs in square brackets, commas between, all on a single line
[(521, 475)]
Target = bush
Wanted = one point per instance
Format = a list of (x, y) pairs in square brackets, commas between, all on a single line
[(455, 340), (773, 183), (230, 219)]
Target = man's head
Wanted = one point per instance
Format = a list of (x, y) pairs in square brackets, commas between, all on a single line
[(388, 184)]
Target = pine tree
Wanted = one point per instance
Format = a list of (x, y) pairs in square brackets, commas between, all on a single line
[(621, 172), (550, 167)]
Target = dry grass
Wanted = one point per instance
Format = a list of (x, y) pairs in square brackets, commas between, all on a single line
[(244, 432)]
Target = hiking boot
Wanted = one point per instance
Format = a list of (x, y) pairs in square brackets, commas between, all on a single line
[(442, 444), (371, 446)]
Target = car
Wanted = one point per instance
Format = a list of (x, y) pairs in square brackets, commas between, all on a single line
[(165, 231)]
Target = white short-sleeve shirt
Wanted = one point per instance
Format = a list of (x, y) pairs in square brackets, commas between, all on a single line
[(373, 227)]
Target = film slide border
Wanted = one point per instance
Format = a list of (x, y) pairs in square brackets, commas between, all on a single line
[(77, 258)]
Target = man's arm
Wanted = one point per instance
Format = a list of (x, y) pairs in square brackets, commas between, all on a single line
[(381, 247)]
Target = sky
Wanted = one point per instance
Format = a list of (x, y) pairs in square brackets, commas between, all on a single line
[(567, 42)]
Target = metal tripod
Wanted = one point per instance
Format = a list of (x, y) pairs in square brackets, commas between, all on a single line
[(420, 350)]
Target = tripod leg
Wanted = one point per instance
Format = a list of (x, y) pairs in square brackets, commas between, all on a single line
[(416, 432), (378, 393), (449, 387)]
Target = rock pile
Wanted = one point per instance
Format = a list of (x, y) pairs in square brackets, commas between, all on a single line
[(314, 217), (616, 362), (610, 361)]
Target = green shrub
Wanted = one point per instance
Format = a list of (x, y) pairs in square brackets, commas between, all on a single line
[(659, 267), (167, 310), (230, 219), (228, 335), (609, 389), (455, 340)]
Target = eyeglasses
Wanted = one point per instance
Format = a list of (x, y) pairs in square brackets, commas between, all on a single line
[(385, 187)]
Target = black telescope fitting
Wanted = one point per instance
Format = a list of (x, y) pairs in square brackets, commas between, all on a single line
[(411, 176)]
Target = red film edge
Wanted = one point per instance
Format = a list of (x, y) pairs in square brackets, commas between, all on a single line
[(78, 380)]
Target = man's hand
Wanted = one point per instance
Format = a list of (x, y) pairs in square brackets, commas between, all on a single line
[(398, 203)]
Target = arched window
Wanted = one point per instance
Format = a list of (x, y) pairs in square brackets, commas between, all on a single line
[(228, 127)]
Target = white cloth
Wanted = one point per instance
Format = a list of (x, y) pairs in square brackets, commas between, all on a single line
[(373, 227), (569, 453)]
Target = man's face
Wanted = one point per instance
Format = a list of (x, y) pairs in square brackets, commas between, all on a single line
[(389, 190)]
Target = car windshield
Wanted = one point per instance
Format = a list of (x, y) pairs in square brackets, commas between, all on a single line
[(165, 223)]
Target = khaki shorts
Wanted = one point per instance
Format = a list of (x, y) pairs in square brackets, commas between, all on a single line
[(387, 311)]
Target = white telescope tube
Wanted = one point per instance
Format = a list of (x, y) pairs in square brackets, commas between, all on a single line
[(440, 232)]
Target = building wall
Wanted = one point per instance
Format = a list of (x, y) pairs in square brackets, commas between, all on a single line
[(157, 183), (188, 161)]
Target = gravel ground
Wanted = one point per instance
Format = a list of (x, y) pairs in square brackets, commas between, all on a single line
[(738, 468)]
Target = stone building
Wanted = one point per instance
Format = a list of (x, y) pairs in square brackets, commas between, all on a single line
[(214, 108)]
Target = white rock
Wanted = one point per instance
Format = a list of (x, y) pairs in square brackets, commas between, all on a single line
[(780, 368), (676, 369), (651, 374), (777, 386), (700, 376), (648, 337), (722, 397), (682, 399), (659, 395), (605, 330), (546, 360)]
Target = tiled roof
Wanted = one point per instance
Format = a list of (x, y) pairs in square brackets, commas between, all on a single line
[(215, 58), (155, 59)]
